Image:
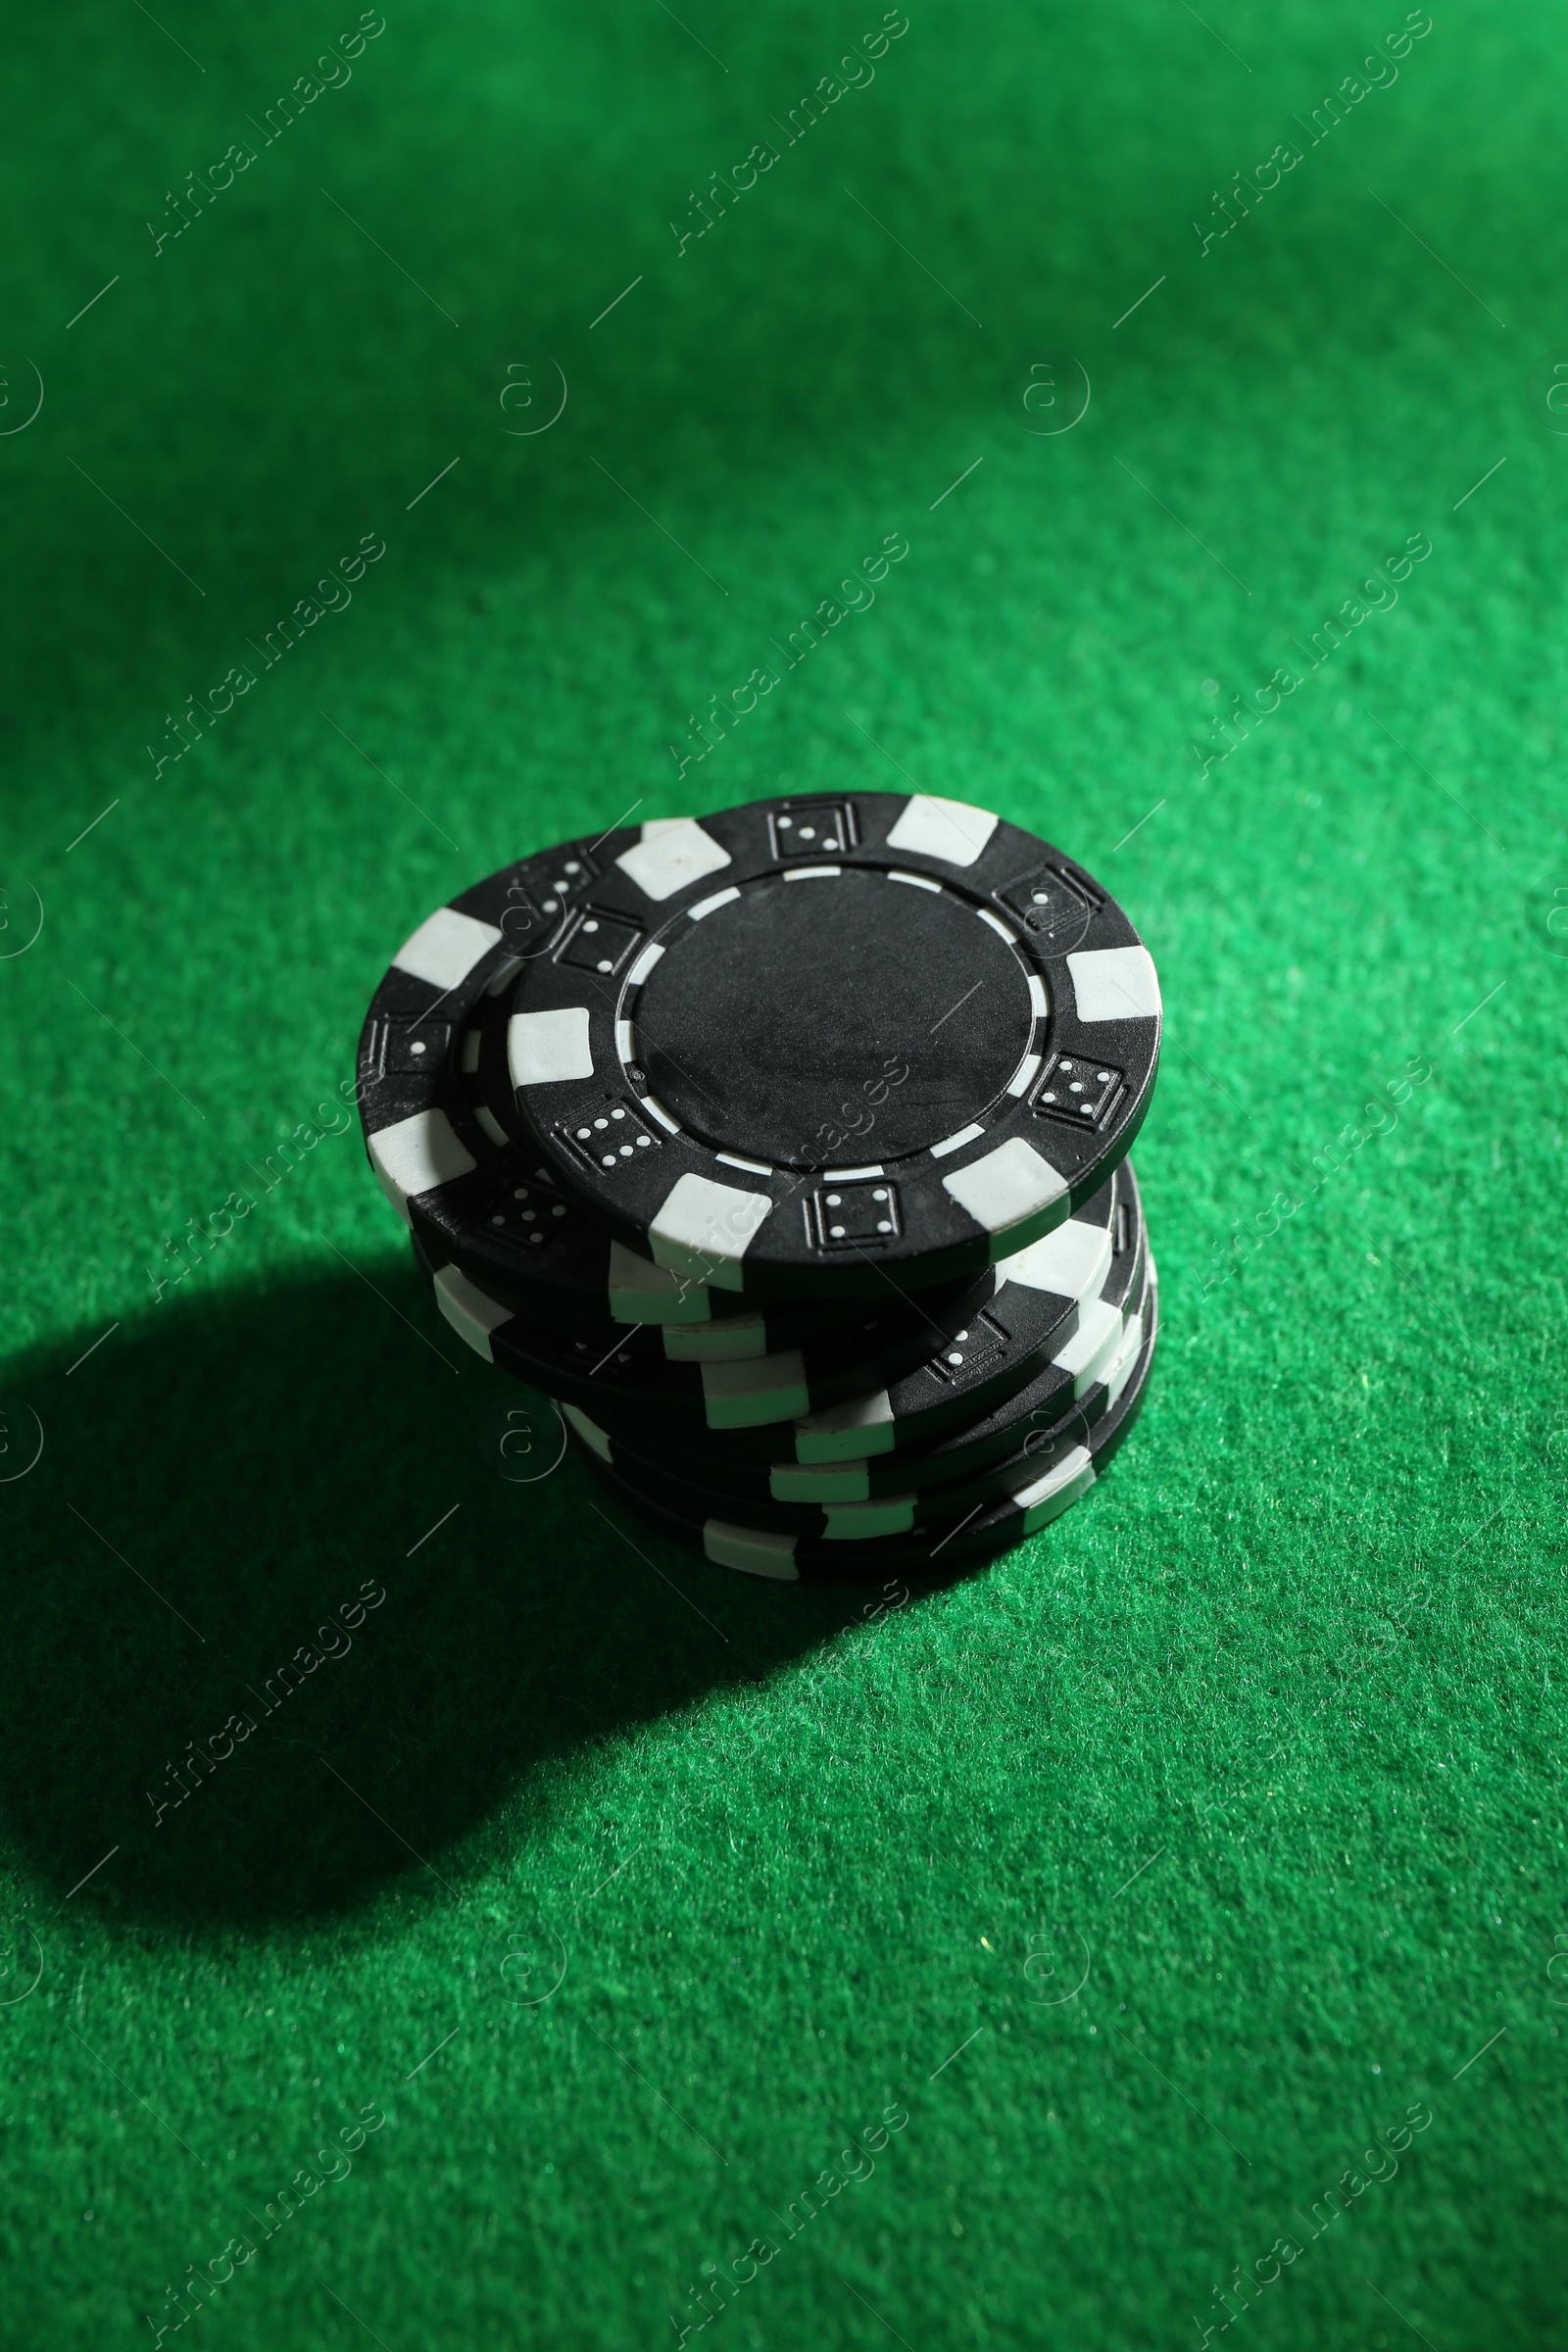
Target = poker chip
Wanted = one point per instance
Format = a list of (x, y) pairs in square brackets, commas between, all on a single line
[(1016, 1442), (941, 1548), (786, 1148), (1073, 1379), (938, 1357), (800, 1044)]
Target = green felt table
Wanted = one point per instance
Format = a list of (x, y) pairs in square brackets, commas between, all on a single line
[(1171, 1908)]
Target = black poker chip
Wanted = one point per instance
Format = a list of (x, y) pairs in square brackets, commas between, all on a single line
[(1074, 1381), (988, 1341), (936, 1357), (786, 1148), (934, 1552), (1016, 1442), (797, 1044)]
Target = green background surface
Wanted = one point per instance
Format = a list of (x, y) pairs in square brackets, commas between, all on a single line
[(1222, 1824)]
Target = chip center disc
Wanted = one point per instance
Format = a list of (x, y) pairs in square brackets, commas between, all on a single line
[(833, 1022)]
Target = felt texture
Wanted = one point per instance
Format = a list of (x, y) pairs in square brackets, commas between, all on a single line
[(1157, 1874)]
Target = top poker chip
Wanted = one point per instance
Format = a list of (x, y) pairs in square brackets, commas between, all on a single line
[(815, 1046)]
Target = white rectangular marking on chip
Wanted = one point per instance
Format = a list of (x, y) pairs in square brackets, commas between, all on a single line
[(704, 1228), (752, 1168), (748, 1394), (416, 1155), (730, 1339), (848, 1175), (1121, 1371), (637, 1288), (446, 947), (817, 1482), (1024, 1076), (915, 881), (858, 1522), (673, 851), (847, 1432), (625, 1041), (1003, 930), (1073, 1477), (1009, 1186), (757, 1550), (471, 1315), (1038, 1002), (589, 1431), (550, 1049), (1069, 1261), (491, 1125), (644, 964), (1099, 1323), (706, 907), (812, 873), (1054, 1504), (951, 830), (470, 1051), (954, 1143), (1098, 1326), (655, 1110), (1114, 984)]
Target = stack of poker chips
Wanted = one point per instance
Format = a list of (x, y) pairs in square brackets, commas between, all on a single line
[(785, 1150)]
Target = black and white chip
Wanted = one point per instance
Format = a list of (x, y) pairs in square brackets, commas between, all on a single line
[(796, 1072), (1071, 1382), (936, 1552), (1013, 1318), (787, 1148)]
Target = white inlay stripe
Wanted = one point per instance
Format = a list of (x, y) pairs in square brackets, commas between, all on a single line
[(954, 1143), (1070, 1261), (1012, 1186), (951, 830), (635, 1285), (1003, 930), (549, 1049), (749, 1393), (706, 907), (856, 1522), (1072, 1464), (846, 1433), (1114, 984), (416, 1155), (759, 1551), (589, 1431), (471, 1315), (673, 853), (446, 947), (704, 1228), (732, 1338)]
